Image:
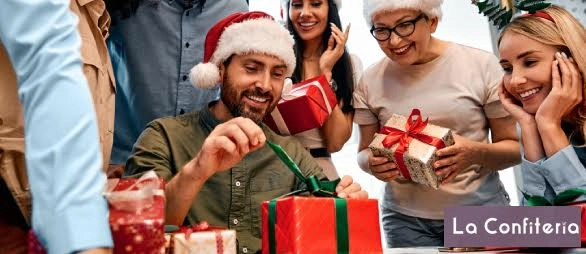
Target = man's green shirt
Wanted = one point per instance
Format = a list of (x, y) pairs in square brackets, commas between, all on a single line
[(231, 198)]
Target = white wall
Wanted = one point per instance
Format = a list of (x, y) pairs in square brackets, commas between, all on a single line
[(460, 23)]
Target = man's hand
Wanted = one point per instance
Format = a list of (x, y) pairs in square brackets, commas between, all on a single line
[(226, 145), (348, 189)]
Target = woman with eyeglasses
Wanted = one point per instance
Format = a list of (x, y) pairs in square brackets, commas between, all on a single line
[(320, 48), (457, 88)]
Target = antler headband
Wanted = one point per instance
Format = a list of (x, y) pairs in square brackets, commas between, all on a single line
[(502, 16)]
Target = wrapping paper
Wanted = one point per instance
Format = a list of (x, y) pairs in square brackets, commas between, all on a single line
[(215, 241), (308, 225), (137, 214), (418, 156), (201, 238), (303, 106)]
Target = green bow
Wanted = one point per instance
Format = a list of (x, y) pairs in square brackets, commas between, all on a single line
[(502, 16), (563, 198), (316, 188)]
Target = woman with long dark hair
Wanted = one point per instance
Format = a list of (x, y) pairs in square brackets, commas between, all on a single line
[(320, 49)]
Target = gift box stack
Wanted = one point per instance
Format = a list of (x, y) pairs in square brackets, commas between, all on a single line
[(320, 225), (201, 238), (137, 214), (411, 143), (303, 106)]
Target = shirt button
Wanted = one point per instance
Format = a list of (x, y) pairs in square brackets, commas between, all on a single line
[(184, 77), (235, 221), (237, 183), (187, 44), (245, 250)]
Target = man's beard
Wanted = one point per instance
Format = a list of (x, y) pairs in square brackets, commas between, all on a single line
[(233, 101)]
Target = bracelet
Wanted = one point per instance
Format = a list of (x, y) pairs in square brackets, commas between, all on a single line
[(333, 85)]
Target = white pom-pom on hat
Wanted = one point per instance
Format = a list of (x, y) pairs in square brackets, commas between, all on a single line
[(242, 33), (204, 75)]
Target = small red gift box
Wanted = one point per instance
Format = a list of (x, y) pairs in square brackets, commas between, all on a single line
[(202, 238), (309, 225), (303, 106), (137, 214)]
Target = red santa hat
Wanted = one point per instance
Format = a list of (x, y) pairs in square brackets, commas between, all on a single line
[(242, 33), (431, 8)]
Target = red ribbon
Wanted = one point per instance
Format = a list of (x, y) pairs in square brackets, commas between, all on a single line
[(204, 226), (413, 128)]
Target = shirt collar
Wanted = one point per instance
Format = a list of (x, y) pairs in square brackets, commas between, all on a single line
[(207, 119)]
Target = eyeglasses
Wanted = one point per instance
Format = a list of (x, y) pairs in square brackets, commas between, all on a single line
[(403, 29)]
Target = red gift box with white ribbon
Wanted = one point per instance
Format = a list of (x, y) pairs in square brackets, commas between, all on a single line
[(137, 214), (303, 106)]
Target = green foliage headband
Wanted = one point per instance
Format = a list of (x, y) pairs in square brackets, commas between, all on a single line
[(502, 16)]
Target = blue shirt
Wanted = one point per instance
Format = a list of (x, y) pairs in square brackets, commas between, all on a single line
[(64, 164), (562, 171), (161, 42)]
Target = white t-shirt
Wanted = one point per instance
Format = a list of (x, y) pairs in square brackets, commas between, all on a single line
[(458, 90)]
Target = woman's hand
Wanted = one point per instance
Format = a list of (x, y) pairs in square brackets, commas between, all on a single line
[(566, 92), (381, 168), (335, 50), (460, 156), (511, 106)]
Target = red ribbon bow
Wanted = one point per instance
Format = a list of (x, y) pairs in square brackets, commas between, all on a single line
[(204, 226), (413, 129)]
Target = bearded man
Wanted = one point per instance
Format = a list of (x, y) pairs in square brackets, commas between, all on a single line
[(214, 160)]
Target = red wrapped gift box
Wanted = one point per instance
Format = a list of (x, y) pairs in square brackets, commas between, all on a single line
[(138, 222), (303, 106), (308, 225)]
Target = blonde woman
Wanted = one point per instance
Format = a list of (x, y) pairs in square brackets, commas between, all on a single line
[(544, 60)]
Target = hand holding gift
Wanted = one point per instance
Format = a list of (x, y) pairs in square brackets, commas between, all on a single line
[(411, 143), (382, 168), (314, 97), (453, 159)]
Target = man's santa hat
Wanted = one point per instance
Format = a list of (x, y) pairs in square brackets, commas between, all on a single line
[(285, 8), (431, 8), (242, 33)]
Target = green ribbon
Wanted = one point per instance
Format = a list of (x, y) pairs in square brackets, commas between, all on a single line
[(563, 198), (317, 188)]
